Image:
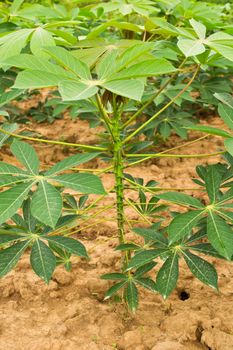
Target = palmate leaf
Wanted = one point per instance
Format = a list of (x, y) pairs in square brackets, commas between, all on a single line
[(182, 225), (191, 47), (69, 61), (201, 269), (27, 215), (213, 180), (132, 53), (199, 28), (147, 283), (220, 235), (228, 143), (84, 183), (168, 275), (131, 296), (147, 68), (205, 248), (225, 98), (127, 246), (224, 50), (12, 199), (209, 130), (46, 205), (228, 195), (144, 269), (181, 198), (107, 65), (7, 180), (43, 261), (150, 234), (31, 62), (39, 39), (144, 257), (114, 289), (15, 6), (75, 90), (132, 88), (8, 169), (27, 155), (13, 43), (36, 79), (226, 113), (70, 245), (114, 276), (7, 237), (7, 127), (10, 256), (70, 162)]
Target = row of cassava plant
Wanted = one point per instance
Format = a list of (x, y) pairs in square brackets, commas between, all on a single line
[(118, 84)]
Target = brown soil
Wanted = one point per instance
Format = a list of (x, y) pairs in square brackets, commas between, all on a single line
[(70, 314)]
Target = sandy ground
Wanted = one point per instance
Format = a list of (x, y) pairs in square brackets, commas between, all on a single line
[(70, 314)]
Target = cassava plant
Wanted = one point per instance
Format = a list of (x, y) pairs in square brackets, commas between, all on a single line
[(119, 85)]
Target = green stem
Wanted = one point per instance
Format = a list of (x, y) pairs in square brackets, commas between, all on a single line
[(118, 172), (61, 143), (165, 155)]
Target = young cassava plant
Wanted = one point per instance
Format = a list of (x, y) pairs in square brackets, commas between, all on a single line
[(117, 81)]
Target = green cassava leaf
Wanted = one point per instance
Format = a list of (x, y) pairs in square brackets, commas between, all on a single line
[(180, 198), (8, 127), (10, 256), (199, 28), (202, 269), (209, 130), (220, 235), (34, 63), (114, 289), (69, 61), (107, 65), (205, 248), (147, 283), (84, 183), (114, 276), (15, 6), (226, 113), (225, 98), (168, 275), (43, 261), (11, 44), (70, 162), (26, 154), (46, 205), (74, 90), (150, 234), (131, 296), (6, 237), (228, 143), (70, 245), (148, 68), (8, 169), (213, 180), (39, 39), (182, 225), (144, 269), (36, 79), (191, 47), (132, 88), (12, 199), (144, 257)]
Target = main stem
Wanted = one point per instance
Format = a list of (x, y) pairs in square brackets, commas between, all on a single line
[(118, 172), (114, 127)]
